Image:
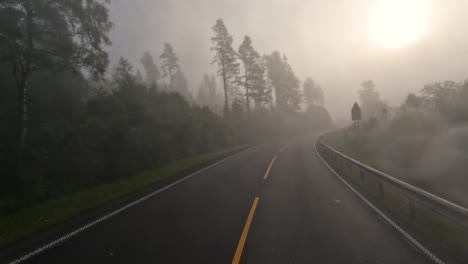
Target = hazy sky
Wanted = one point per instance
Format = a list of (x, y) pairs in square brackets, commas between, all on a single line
[(400, 45)]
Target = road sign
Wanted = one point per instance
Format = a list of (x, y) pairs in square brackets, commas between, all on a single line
[(356, 114)]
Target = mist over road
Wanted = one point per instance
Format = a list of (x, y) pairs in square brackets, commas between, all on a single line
[(302, 213)]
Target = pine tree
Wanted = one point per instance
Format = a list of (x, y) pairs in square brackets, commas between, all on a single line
[(292, 96), (180, 85), (313, 94), (254, 74), (371, 103), (169, 63), (260, 91), (284, 81), (151, 70), (122, 73), (226, 58)]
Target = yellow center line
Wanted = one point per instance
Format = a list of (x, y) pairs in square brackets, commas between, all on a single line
[(269, 167), (245, 232), (283, 149)]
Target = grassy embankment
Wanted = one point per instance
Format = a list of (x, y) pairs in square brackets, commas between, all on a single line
[(30, 220), (441, 230)]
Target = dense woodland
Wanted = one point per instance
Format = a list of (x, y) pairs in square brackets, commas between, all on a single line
[(69, 120)]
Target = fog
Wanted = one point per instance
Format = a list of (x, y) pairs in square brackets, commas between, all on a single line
[(329, 41), (106, 101)]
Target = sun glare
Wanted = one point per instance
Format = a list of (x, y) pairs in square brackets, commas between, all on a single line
[(398, 23)]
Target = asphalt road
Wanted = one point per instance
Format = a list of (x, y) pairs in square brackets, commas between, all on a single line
[(298, 212)]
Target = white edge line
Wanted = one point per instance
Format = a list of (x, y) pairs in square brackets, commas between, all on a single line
[(412, 240), (107, 216)]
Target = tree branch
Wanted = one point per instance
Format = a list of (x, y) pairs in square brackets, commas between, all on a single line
[(71, 34)]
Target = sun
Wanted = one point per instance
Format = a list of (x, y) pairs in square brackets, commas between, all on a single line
[(398, 23)]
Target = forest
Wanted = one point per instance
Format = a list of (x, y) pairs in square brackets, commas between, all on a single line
[(69, 120)]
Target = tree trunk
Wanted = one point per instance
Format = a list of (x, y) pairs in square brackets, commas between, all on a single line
[(247, 95), (226, 101), (23, 112), (170, 79), (22, 84), (23, 120)]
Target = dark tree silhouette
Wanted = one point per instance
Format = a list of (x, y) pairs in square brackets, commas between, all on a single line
[(122, 72), (439, 95), (169, 63), (286, 84), (151, 70), (412, 101), (226, 59), (254, 74), (47, 34)]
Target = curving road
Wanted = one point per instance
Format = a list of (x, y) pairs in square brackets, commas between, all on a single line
[(243, 209)]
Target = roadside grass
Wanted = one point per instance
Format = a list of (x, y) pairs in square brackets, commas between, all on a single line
[(31, 220), (445, 232), (353, 143)]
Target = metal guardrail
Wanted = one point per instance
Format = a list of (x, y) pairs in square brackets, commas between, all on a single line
[(442, 221)]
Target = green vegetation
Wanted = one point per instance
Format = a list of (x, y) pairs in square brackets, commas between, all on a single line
[(73, 129), (423, 142), (354, 143), (440, 230), (30, 220)]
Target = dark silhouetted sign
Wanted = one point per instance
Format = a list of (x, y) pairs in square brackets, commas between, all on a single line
[(356, 114)]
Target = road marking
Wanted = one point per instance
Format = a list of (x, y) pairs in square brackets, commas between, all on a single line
[(107, 216), (269, 167), (245, 232), (281, 150), (405, 234)]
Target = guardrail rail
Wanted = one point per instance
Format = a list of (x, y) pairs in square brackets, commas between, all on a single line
[(441, 223)]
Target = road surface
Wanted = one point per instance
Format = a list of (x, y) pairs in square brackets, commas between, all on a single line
[(252, 208)]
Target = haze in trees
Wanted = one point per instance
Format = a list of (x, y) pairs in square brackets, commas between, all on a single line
[(151, 70), (170, 63), (254, 75), (50, 35), (226, 60), (285, 83), (79, 110), (371, 104), (425, 138), (90, 124), (85, 102), (313, 93), (180, 85), (208, 94)]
